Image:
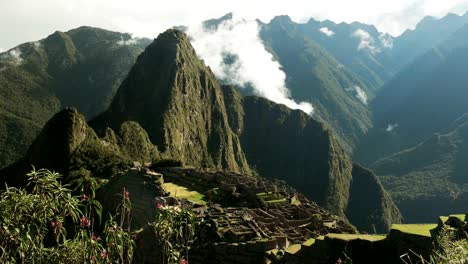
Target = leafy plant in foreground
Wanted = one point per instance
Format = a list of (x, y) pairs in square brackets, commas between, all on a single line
[(175, 227), (45, 223)]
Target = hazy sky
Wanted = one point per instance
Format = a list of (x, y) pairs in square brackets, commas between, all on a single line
[(28, 20)]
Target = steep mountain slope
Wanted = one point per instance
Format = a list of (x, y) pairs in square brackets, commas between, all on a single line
[(82, 68), (428, 33), (177, 99), (69, 146), (360, 47), (291, 146), (313, 75), (421, 100), (431, 178)]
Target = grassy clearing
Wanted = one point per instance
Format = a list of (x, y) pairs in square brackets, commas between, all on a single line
[(415, 229), (277, 201), (293, 249), (181, 192), (309, 242), (349, 237)]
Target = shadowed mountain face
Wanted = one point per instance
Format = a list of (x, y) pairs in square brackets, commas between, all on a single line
[(428, 33), (338, 95), (81, 68), (289, 145), (422, 99), (431, 175)]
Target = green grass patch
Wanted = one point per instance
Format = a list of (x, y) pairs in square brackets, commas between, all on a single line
[(309, 242), (443, 219), (181, 192), (277, 201), (415, 229), (293, 249), (349, 237), (271, 197)]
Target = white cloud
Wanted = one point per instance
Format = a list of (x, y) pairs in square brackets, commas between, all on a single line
[(327, 31), (366, 41), (359, 93), (391, 127), (386, 40), (252, 64), (13, 56), (36, 45), (123, 42)]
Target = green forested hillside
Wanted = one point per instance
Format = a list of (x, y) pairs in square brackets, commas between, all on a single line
[(81, 68), (431, 178), (422, 99), (339, 96)]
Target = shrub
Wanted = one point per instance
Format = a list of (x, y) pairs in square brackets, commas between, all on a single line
[(45, 223)]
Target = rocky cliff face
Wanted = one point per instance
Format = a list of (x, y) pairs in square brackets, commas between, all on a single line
[(177, 99)]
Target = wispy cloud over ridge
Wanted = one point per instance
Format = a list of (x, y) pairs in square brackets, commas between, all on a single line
[(249, 64), (327, 31), (366, 41)]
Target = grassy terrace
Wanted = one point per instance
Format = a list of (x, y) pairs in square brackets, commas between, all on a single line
[(415, 229), (309, 242), (183, 193), (349, 237), (443, 219), (271, 197), (293, 249)]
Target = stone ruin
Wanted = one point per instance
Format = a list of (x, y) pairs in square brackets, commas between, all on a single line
[(245, 216)]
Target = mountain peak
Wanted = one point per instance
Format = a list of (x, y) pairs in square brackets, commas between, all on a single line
[(169, 47), (283, 19), (178, 101), (172, 36)]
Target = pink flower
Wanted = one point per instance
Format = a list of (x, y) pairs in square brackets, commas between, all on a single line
[(184, 261), (84, 197), (339, 261), (126, 193), (110, 229), (85, 222), (52, 224), (159, 205), (95, 238), (104, 254)]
